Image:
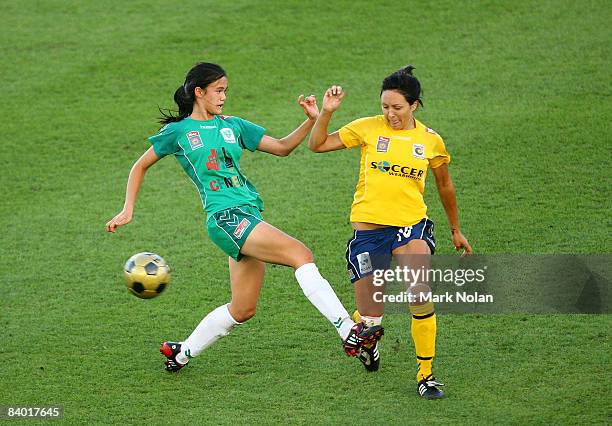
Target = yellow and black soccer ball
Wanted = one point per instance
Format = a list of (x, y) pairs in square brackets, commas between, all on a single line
[(146, 275)]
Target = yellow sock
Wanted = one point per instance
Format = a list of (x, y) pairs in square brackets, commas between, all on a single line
[(423, 329), (424, 369)]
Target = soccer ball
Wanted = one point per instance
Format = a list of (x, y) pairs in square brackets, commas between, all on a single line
[(146, 275)]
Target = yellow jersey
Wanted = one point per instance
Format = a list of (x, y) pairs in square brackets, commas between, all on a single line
[(392, 171)]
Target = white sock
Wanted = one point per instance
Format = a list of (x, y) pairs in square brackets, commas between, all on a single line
[(322, 296), (214, 326)]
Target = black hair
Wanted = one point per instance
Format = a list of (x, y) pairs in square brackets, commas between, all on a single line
[(405, 83), (201, 75)]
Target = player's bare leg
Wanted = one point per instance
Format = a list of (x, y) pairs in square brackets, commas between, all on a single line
[(246, 277), (271, 245), (368, 303), (416, 255), (370, 309)]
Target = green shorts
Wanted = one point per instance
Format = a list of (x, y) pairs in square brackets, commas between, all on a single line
[(229, 228)]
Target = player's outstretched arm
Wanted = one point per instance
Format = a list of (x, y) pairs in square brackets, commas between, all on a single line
[(133, 186), (446, 189), (283, 147), (320, 140)]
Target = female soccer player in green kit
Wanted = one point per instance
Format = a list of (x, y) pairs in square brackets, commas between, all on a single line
[(208, 146), (388, 212)]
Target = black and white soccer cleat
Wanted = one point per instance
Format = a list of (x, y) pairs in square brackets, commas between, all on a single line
[(428, 388), (170, 350), (370, 357)]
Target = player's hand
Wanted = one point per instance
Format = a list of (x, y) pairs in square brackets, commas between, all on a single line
[(123, 218), (460, 242), (333, 98), (309, 105)]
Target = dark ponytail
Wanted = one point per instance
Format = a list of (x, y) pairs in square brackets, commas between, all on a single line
[(405, 83), (201, 75)]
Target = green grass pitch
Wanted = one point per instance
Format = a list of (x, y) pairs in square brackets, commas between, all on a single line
[(520, 91)]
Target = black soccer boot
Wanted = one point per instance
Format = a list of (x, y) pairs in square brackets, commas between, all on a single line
[(427, 388), (170, 350), (369, 356)]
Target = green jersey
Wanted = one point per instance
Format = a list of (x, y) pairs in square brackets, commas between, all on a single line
[(209, 151)]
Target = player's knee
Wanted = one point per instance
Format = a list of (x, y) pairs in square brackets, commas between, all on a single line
[(420, 295), (420, 289), (308, 256), (302, 255)]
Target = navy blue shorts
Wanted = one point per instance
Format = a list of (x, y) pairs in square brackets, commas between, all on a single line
[(372, 249)]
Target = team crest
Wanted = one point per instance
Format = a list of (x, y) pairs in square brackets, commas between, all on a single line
[(365, 263), (418, 151), (228, 135), (383, 144), (195, 140), (242, 226)]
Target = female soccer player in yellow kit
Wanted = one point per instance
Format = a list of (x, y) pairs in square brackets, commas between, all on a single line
[(388, 214)]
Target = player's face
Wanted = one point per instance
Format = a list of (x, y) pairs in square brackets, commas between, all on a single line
[(397, 110), (213, 97)]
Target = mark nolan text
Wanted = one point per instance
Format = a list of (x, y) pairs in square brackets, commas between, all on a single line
[(457, 297)]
